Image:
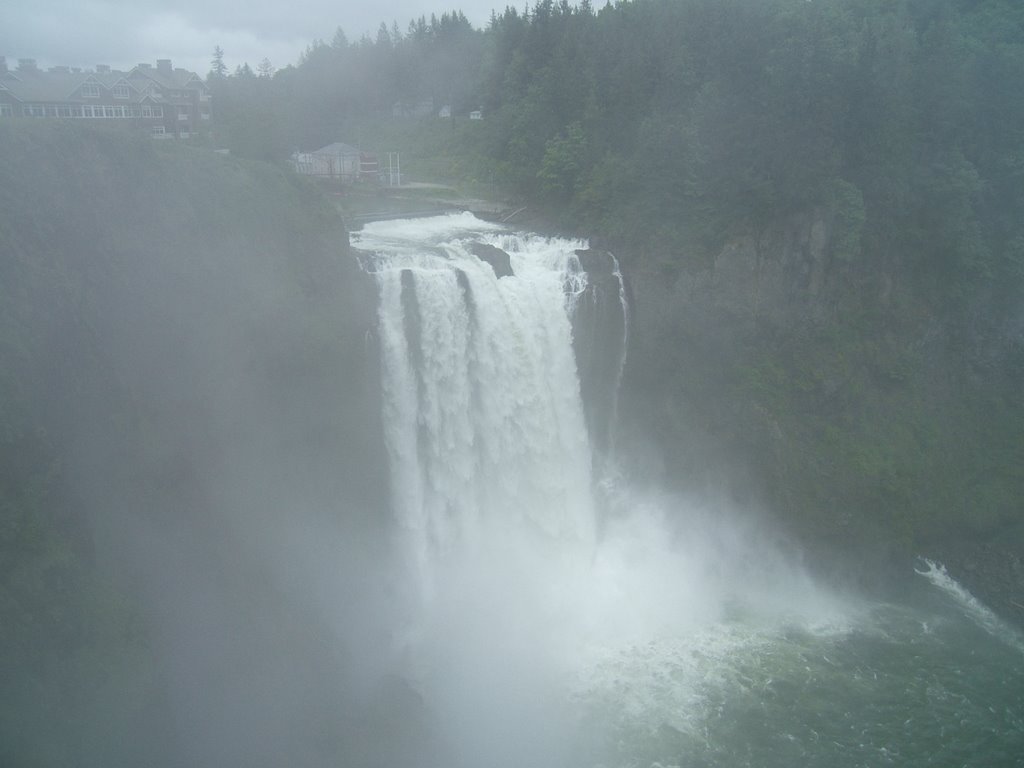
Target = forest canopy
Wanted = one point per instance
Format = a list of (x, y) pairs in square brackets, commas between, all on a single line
[(662, 122)]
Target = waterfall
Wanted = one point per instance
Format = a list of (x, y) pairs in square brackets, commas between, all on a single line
[(522, 637), (483, 417)]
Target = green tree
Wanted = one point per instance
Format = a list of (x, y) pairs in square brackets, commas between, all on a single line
[(218, 69), (563, 162)]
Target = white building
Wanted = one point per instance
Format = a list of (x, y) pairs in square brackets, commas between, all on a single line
[(335, 161)]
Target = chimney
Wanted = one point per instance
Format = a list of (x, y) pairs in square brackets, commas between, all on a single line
[(102, 69), (163, 66), (61, 70), (144, 65), (27, 65)]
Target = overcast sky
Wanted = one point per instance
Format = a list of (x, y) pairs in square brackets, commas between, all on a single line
[(122, 33)]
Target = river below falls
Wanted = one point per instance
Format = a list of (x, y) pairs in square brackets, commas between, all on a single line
[(891, 685)]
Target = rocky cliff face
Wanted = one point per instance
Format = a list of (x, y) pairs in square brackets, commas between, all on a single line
[(600, 337), (779, 277), (697, 330), (784, 376)]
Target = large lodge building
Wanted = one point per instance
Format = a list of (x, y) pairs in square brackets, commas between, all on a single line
[(171, 103)]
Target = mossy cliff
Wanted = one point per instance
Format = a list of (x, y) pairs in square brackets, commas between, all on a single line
[(185, 366), (874, 425)]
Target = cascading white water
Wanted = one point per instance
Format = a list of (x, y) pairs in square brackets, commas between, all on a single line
[(482, 408), (978, 612)]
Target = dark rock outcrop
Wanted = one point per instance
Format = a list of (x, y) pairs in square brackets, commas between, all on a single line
[(598, 264), (500, 261), (599, 339)]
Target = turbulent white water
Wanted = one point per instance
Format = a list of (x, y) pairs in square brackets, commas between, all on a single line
[(973, 608), (666, 631), (482, 411)]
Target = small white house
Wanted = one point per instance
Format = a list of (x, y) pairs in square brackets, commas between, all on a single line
[(335, 161), (476, 114), (445, 111)]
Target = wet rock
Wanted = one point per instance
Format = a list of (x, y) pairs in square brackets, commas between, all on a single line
[(500, 261), (596, 263)]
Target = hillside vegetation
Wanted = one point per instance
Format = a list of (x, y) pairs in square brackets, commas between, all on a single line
[(176, 327), (821, 205)]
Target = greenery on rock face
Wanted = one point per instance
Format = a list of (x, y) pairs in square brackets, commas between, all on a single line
[(890, 405)]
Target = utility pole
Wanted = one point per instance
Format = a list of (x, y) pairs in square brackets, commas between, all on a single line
[(394, 170)]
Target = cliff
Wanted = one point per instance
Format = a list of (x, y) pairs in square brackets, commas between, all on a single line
[(873, 424), (188, 399)]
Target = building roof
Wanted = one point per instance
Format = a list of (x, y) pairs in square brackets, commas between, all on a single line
[(61, 85), (46, 86), (337, 148), (166, 77)]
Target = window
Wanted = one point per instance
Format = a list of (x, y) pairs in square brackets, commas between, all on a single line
[(90, 91), (51, 110), (64, 110), (120, 91), (157, 130), (183, 113), (108, 111), (6, 110), (33, 110), (158, 111), (76, 110)]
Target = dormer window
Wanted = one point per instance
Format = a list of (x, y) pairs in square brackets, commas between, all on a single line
[(90, 91), (120, 91)]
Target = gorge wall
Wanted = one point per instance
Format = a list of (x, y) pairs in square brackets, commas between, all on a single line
[(787, 377), (189, 422)]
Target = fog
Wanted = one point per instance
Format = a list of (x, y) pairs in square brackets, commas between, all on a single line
[(121, 34), (254, 554), (301, 612), (448, 492)]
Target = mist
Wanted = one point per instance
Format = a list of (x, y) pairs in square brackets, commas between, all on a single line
[(664, 410)]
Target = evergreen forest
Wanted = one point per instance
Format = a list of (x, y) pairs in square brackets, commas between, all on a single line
[(874, 378)]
